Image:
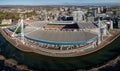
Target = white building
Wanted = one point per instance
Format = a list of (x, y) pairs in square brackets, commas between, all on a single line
[(6, 21), (78, 16), (98, 10), (110, 23)]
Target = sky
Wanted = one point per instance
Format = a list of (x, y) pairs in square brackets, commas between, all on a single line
[(53, 2)]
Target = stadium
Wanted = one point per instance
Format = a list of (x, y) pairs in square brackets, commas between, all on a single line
[(61, 35), (56, 38)]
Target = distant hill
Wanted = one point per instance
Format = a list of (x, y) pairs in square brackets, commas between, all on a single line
[(93, 4), (65, 4)]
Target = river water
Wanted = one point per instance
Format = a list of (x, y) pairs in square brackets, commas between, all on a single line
[(40, 62)]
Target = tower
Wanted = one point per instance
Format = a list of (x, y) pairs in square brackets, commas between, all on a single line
[(21, 26), (99, 31), (111, 24), (22, 31)]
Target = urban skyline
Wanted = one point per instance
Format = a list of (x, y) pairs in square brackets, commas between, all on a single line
[(54, 2)]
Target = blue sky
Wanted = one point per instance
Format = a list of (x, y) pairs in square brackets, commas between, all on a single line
[(53, 2)]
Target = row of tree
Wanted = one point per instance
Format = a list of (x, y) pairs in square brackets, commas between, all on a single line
[(15, 16)]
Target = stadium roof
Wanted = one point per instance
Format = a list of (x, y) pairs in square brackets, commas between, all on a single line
[(61, 22), (61, 36)]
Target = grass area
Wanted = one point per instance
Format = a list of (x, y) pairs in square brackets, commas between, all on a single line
[(4, 25), (17, 31)]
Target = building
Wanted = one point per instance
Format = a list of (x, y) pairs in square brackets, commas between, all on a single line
[(119, 23), (78, 16), (6, 21), (116, 13), (90, 19)]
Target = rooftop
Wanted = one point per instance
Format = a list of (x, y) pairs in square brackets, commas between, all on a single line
[(61, 36)]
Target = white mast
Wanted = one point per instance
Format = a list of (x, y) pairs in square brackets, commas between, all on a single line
[(99, 26), (46, 16), (99, 31), (13, 35), (21, 25), (22, 31)]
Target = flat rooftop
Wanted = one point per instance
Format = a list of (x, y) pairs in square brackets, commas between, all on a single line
[(60, 36)]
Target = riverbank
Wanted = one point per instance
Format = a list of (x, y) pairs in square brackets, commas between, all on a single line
[(11, 65), (112, 65)]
